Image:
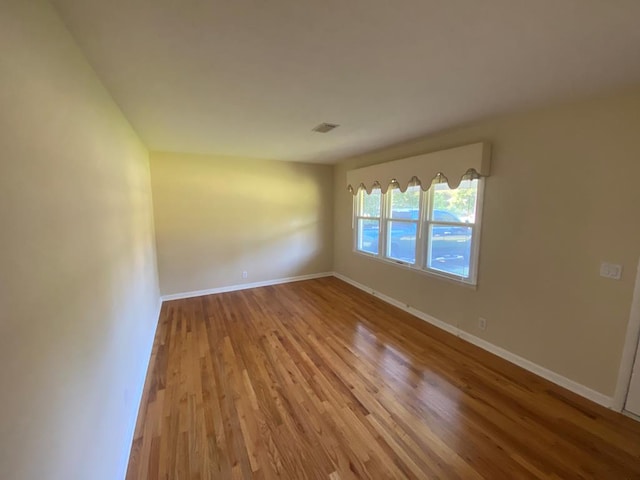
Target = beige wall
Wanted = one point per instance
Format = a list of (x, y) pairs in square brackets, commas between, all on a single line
[(78, 282), (563, 196), (218, 216)]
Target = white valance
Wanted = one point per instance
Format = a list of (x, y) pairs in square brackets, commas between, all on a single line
[(450, 165)]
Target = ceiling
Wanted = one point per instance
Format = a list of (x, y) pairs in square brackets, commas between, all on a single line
[(252, 77)]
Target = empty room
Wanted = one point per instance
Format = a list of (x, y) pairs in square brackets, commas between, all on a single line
[(342, 240)]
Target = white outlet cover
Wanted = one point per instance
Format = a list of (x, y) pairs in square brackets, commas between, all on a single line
[(611, 270)]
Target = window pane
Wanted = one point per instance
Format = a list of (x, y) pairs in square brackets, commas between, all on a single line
[(405, 205), (401, 241), (457, 205), (368, 235), (450, 249), (370, 203)]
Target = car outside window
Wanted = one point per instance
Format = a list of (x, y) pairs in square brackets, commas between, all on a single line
[(436, 231), (402, 223)]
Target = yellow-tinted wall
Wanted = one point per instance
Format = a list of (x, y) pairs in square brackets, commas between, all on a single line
[(78, 282), (219, 216), (562, 197)]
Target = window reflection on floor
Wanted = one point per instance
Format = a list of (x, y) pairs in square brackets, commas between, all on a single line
[(401, 372)]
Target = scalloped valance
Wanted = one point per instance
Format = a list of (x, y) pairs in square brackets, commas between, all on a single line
[(451, 165)]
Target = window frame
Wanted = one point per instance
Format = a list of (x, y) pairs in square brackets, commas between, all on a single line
[(423, 239), (358, 205), (387, 219), (474, 250)]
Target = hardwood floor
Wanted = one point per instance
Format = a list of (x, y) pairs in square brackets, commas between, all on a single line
[(317, 379)]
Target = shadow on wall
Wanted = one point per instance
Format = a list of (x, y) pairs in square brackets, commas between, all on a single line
[(217, 217)]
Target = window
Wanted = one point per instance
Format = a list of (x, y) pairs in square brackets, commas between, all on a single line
[(435, 231), (402, 223), (368, 210), (451, 222)]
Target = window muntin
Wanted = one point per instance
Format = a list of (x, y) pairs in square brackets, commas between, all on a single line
[(435, 231), (368, 216)]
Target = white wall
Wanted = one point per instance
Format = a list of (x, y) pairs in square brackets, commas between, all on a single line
[(78, 282), (562, 197)]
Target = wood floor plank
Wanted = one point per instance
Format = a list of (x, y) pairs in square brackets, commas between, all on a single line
[(318, 380)]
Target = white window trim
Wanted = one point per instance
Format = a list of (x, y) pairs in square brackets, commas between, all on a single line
[(420, 265), (355, 221), (386, 219)]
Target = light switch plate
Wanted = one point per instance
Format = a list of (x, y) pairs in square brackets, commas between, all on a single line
[(610, 270)]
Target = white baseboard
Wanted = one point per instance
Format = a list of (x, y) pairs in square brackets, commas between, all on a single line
[(545, 373), (575, 387), (244, 286)]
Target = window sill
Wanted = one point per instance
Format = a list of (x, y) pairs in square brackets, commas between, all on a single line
[(416, 269)]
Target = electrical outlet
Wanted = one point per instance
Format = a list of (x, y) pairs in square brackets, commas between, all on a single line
[(610, 270), (245, 274), (482, 323)]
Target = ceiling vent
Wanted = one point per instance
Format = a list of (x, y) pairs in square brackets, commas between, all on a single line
[(325, 127)]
